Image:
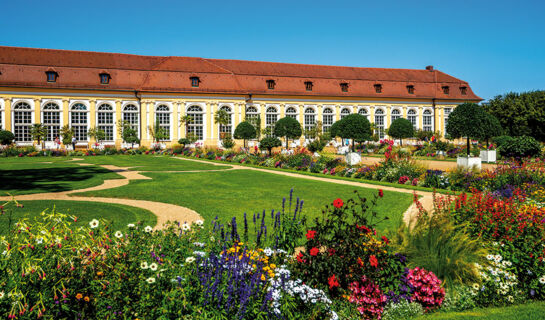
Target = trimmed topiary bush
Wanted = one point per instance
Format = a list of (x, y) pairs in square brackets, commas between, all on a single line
[(245, 131), (467, 120), (269, 143), (6, 137), (354, 126), (289, 128), (401, 129)]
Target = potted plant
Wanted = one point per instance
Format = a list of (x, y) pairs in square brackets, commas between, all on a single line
[(491, 128), (66, 134), (39, 133), (289, 128), (467, 121), (355, 127), (98, 135), (158, 134), (245, 130), (401, 129)]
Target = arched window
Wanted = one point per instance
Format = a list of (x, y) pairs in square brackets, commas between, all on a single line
[(195, 126), (345, 112), (412, 117), (396, 114), (446, 113), (51, 116), (427, 124), (327, 119), (251, 112), (162, 118), (22, 121), (78, 121), (310, 120), (379, 122), (105, 121), (364, 112), (271, 116), (226, 129), (291, 112), (132, 116), (1, 118)]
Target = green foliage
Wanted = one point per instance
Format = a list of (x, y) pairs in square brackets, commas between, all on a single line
[(520, 113), (67, 134), (269, 142), (467, 120), (401, 129), (491, 128), (423, 135), (501, 140), (227, 142), (403, 310), (289, 128), (317, 145), (523, 146), (6, 137), (97, 134), (127, 132), (38, 132), (256, 123), (157, 133), (354, 126), (245, 130)]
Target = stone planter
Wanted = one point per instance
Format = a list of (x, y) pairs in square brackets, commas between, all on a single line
[(469, 162), (353, 158), (488, 155)]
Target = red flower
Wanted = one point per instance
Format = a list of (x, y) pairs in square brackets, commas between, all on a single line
[(331, 251), (363, 228), (360, 262), (338, 203), (373, 261), (314, 251), (300, 257), (332, 281), (380, 193), (385, 240), (311, 234)]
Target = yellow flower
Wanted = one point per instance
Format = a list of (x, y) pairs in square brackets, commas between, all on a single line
[(263, 277), (86, 299), (273, 266), (79, 296)]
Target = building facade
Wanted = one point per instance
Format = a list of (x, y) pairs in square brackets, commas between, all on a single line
[(98, 90)]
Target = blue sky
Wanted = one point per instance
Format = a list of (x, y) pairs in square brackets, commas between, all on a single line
[(497, 46)]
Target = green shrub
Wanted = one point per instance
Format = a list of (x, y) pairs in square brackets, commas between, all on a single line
[(268, 143), (228, 142), (519, 147), (288, 128), (502, 140), (400, 129), (6, 137), (316, 145), (402, 310)]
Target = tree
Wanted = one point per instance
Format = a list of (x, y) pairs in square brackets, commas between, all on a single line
[(127, 133), (491, 128), (256, 122), (185, 120), (38, 132), (245, 130), (401, 129), (6, 137), (222, 118), (269, 143), (353, 126), (466, 121), (157, 133), (97, 134), (520, 113), (227, 142), (67, 134), (289, 128)]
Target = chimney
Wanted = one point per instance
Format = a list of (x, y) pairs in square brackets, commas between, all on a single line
[(429, 68)]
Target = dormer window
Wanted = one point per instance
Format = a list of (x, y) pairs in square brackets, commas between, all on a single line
[(105, 78), (446, 89), (344, 87), (308, 85), (195, 81), (270, 84), (378, 88), (410, 89), (463, 90), (51, 76)]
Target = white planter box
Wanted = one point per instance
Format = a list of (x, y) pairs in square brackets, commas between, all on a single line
[(470, 162), (488, 155), (353, 158), (129, 146)]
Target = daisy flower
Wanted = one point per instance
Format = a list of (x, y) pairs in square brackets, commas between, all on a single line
[(186, 227), (39, 240), (131, 225), (118, 234), (2, 294), (189, 259), (150, 280), (143, 265), (542, 280), (153, 266), (148, 229), (94, 223), (199, 223)]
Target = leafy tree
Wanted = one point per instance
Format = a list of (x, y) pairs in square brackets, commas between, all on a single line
[(269, 143), (315, 131), (520, 113), (491, 128), (228, 142), (245, 130), (185, 120), (520, 147), (354, 126), (401, 129), (6, 137), (97, 134), (157, 133), (256, 122), (128, 133), (222, 118), (466, 121), (38, 132), (67, 134), (289, 128)]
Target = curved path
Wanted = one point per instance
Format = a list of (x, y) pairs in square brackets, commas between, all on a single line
[(164, 211), (426, 198)]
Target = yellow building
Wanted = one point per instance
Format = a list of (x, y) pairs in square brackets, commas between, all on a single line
[(96, 90)]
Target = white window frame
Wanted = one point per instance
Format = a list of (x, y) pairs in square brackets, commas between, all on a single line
[(380, 125), (327, 122), (414, 116), (395, 116), (15, 125), (135, 126), (160, 116), (228, 128), (364, 111), (427, 120), (2, 116), (294, 115), (251, 114), (75, 126), (345, 111), (53, 129), (271, 117), (309, 119), (195, 126), (445, 118), (104, 126)]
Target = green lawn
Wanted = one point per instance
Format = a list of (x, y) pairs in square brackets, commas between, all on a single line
[(33, 175), (152, 163), (118, 215), (530, 311), (231, 193)]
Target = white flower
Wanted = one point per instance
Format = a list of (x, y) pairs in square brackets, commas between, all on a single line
[(186, 227), (94, 223), (199, 253), (39, 240), (148, 229), (542, 280), (510, 299), (212, 239), (131, 225), (153, 266), (199, 244), (476, 286), (118, 234), (2, 294), (490, 257), (199, 223), (268, 252), (143, 265), (189, 259), (150, 280)]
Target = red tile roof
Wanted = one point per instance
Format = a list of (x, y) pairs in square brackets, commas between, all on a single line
[(25, 67)]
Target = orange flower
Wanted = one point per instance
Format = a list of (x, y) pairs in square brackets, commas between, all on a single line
[(86, 299), (100, 273), (79, 296)]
